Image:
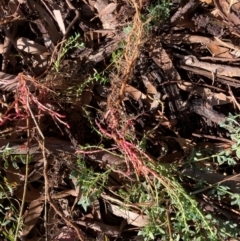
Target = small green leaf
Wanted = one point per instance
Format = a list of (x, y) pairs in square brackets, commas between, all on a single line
[(238, 153)]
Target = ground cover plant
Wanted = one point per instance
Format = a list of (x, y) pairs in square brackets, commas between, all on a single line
[(119, 120)]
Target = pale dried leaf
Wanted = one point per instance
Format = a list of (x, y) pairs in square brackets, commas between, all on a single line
[(108, 9), (131, 217), (31, 47), (34, 211), (108, 20), (59, 19), (215, 12), (1, 48), (206, 1), (232, 2)]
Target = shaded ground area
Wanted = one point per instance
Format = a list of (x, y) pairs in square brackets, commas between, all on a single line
[(119, 120)]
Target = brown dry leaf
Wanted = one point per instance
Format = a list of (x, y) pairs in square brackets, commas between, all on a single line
[(132, 218), (153, 94), (206, 93), (31, 47), (135, 93), (218, 51), (34, 211), (31, 194)]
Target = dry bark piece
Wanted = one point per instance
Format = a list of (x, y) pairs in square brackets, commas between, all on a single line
[(223, 79), (48, 22), (206, 93), (224, 11), (59, 18), (203, 108), (214, 178), (163, 61), (213, 68), (7, 48)]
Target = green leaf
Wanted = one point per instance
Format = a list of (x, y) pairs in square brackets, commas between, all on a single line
[(238, 153)]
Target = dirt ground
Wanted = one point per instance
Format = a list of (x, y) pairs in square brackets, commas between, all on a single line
[(119, 120)]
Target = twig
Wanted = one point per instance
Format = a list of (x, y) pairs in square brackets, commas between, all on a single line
[(234, 99), (213, 138), (183, 10), (215, 184), (26, 179)]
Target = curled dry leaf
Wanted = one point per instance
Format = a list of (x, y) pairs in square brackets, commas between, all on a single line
[(135, 93)]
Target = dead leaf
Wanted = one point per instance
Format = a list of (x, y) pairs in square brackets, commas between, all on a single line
[(218, 51), (132, 218), (108, 20), (31, 47), (31, 194), (108, 9), (34, 211), (135, 93)]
